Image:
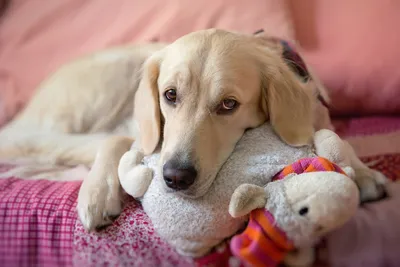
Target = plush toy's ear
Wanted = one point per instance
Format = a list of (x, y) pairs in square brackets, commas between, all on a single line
[(246, 198)]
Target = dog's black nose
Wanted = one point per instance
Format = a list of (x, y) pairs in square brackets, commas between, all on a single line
[(179, 177)]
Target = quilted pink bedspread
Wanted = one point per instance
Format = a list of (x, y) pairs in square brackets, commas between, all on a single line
[(39, 226), (37, 221)]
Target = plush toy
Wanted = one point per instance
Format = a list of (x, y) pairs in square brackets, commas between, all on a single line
[(194, 226), (287, 217)]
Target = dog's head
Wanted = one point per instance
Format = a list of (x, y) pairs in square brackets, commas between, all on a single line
[(199, 94)]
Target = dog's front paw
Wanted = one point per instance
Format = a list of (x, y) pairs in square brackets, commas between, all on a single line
[(371, 184), (99, 200)]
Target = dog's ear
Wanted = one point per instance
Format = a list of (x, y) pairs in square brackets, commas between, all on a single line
[(288, 103), (147, 107)]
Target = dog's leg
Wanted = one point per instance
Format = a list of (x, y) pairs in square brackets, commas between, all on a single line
[(99, 198), (50, 148), (370, 182)]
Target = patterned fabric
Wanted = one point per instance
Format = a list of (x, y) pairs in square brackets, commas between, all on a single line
[(314, 164), (37, 220), (130, 241), (262, 243), (49, 237)]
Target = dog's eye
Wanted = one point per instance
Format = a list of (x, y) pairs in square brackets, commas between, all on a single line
[(170, 95), (227, 106)]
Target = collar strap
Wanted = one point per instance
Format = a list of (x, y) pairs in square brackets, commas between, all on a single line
[(291, 57), (295, 62)]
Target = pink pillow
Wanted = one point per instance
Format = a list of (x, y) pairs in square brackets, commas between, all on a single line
[(371, 238), (36, 38), (354, 47)]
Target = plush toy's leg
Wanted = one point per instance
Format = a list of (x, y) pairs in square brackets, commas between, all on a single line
[(130, 159), (303, 257), (137, 181), (329, 145), (371, 182), (134, 178)]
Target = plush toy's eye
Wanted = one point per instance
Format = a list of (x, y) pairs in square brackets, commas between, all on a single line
[(303, 211)]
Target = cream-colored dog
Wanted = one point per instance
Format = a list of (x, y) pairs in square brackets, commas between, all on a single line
[(193, 99)]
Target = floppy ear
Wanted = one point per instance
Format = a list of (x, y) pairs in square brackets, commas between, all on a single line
[(288, 102), (247, 197), (147, 107)]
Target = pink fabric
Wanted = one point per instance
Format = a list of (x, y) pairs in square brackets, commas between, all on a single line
[(31, 235), (36, 38), (130, 241), (37, 219), (353, 45), (347, 127), (371, 239), (371, 135)]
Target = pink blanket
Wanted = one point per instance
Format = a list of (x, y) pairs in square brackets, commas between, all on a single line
[(37, 221), (39, 226)]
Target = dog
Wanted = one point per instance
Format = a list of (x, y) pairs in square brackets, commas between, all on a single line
[(192, 99)]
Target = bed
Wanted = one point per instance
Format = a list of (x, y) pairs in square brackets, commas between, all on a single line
[(38, 222), (39, 226)]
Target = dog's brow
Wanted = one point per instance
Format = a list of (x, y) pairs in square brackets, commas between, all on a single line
[(177, 76)]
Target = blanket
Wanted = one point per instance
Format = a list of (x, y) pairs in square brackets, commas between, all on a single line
[(39, 225)]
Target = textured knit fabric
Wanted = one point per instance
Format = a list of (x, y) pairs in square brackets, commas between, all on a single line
[(194, 226)]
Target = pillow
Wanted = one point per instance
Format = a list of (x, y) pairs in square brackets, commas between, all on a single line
[(374, 232), (353, 46), (36, 38)]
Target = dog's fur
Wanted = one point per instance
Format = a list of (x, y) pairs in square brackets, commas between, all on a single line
[(83, 113)]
